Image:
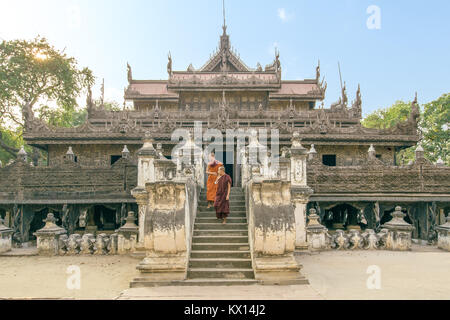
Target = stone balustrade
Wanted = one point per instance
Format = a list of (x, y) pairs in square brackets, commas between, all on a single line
[(394, 235)]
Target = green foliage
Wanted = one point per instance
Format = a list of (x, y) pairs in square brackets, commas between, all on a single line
[(34, 71), (66, 118), (389, 117), (435, 128), (13, 139), (434, 122)]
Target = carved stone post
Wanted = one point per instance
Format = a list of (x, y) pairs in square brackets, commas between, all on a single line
[(444, 235), (5, 237), (141, 200), (146, 157), (146, 173), (399, 232), (272, 229), (317, 233), (127, 235), (299, 189), (48, 237), (165, 232)]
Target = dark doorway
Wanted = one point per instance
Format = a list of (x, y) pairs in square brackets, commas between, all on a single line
[(227, 158)]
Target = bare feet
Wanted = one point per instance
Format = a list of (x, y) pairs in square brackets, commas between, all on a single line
[(224, 221)]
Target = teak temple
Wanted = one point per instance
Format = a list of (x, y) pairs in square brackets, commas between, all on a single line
[(111, 185)]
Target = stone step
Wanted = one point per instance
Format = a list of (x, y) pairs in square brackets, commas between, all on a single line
[(220, 254), (233, 203), (230, 219), (224, 232), (219, 239), (142, 282), (233, 195), (217, 246), (220, 273), (220, 263), (208, 214), (232, 207), (220, 226), (213, 211)]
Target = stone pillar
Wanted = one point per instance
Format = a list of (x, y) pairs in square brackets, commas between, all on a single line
[(5, 237), (272, 230), (317, 233), (48, 237), (127, 235), (146, 173), (300, 201), (146, 157), (142, 200), (299, 189), (444, 235), (399, 232)]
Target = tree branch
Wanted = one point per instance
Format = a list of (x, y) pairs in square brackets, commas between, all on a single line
[(12, 151)]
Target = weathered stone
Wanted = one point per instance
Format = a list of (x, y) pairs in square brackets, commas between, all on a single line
[(399, 232), (127, 235), (74, 244), (356, 240), (371, 239), (87, 244), (340, 240), (272, 228), (48, 237), (317, 234), (444, 235), (101, 244), (5, 237), (300, 192)]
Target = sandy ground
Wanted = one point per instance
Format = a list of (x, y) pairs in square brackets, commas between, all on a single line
[(102, 277), (420, 274)]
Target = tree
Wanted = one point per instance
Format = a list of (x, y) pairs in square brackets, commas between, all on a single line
[(434, 122), (389, 117), (33, 73), (435, 129)]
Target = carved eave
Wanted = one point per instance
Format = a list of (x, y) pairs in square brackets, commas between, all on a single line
[(150, 90), (213, 81), (299, 90)]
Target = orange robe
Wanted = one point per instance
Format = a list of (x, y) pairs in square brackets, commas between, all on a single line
[(211, 187)]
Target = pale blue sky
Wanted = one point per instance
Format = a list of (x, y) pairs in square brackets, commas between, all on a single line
[(409, 53)]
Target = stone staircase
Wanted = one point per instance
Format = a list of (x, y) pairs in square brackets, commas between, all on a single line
[(220, 253)]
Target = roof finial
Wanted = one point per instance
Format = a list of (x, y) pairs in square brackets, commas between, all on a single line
[(224, 21)]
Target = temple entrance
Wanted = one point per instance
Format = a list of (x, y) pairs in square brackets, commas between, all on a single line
[(229, 162)]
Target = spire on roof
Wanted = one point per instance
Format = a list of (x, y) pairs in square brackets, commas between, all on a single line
[(224, 27)]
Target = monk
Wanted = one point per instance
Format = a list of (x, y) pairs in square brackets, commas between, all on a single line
[(211, 171), (222, 203)]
